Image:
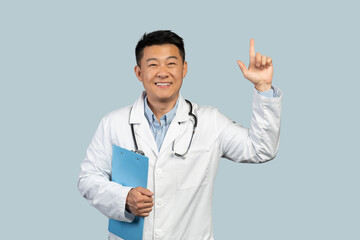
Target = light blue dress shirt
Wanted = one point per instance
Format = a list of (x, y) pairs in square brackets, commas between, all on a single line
[(159, 129)]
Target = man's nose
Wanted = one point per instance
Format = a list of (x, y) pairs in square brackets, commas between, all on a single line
[(163, 72)]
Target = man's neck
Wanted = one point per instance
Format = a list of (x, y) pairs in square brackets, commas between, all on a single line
[(161, 108)]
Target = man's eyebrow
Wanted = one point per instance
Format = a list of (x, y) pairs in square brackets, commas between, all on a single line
[(155, 59), (172, 57), (150, 59)]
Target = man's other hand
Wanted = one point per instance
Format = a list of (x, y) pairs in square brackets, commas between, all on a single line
[(260, 70), (139, 201)]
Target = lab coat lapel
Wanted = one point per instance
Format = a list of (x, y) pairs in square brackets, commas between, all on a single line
[(141, 125), (177, 126)]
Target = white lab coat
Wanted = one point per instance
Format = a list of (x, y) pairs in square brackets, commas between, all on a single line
[(182, 187)]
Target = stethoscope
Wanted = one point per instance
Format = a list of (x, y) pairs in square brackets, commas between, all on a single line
[(138, 151)]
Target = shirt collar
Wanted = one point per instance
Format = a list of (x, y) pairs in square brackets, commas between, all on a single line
[(167, 118)]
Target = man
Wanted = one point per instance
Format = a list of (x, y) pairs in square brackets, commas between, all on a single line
[(182, 164)]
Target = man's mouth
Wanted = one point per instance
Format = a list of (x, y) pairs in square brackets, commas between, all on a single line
[(162, 84)]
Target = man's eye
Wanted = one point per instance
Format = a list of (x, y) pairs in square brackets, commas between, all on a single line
[(152, 65), (172, 63)]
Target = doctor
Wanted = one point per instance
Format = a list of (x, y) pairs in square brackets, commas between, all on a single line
[(184, 142)]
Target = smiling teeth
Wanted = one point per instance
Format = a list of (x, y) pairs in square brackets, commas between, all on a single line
[(162, 84)]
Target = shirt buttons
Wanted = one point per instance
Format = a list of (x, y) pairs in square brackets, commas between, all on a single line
[(159, 171)]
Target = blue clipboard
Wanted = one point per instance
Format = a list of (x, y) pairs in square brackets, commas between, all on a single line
[(128, 169)]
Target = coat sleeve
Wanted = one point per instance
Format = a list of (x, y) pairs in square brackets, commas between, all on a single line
[(259, 143), (94, 181)]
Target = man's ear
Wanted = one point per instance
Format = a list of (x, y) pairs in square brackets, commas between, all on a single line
[(185, 67), (138, 73)]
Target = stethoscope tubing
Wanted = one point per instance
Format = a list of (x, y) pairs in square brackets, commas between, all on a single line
[(137, 150)]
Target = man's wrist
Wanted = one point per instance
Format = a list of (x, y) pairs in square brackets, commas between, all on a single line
[(263, 87), (127, 208)]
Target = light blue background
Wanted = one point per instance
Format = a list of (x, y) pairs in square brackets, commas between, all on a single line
[(65, 64)]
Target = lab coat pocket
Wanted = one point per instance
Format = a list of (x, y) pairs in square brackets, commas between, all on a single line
[(193, 170)]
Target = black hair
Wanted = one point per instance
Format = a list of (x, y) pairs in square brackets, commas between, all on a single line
[(159, 37)]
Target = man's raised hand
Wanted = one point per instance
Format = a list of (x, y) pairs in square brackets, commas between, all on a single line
[(260, 70)]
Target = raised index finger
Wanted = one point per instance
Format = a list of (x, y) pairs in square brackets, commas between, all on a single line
[(252, 52)]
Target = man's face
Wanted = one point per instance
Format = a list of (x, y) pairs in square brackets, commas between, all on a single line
[(162, 71)]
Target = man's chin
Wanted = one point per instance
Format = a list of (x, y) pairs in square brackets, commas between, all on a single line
[(164, 98)]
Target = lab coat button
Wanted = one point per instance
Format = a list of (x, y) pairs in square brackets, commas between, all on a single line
[(159, 171), (159, 201), (158, 232)]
